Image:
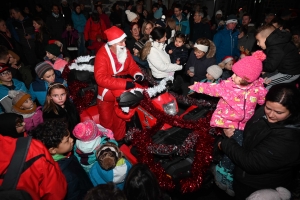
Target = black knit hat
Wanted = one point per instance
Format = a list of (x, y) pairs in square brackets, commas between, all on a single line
[(42, 67), (53, 49)]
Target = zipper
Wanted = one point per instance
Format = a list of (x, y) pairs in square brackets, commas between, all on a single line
[(231, 42)]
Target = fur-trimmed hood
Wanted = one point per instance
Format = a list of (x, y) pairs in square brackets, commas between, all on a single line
[(212, 50)]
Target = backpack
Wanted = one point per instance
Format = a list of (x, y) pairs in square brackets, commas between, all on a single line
[(15, 168)]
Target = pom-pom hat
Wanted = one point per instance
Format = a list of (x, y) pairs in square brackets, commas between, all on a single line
[(86, 131), (130, 15), (114, 35), (249, 67), (18, 98), (215, 71)]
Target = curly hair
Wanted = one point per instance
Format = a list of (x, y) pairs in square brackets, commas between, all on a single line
[(50, 133), (104, 192)]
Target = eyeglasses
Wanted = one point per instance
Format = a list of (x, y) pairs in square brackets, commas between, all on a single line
[(6, 73)]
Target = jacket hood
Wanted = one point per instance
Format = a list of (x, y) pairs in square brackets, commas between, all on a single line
[(8, 125), (278, 37)]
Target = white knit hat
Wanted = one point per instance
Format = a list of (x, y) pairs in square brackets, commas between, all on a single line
[(219, 12), (215, 71), (130, 15)]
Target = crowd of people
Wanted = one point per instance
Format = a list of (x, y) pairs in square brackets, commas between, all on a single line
[(253, 70)]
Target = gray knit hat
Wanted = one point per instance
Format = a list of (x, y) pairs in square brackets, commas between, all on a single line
[(42, 67), (215, 71)]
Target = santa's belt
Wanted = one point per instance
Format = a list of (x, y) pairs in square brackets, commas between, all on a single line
[(122, 76)]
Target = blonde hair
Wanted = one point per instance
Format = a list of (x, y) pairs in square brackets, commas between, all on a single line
[(145, 24), (265, 30), (211, 50), (171, 23)]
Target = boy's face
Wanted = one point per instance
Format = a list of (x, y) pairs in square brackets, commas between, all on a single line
[(6, 76), (209, 77), (65, 146), (178, 42), (49, 55), (228, 65), (261, 41)]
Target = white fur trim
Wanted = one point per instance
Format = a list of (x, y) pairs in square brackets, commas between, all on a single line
[(138, 74), (227, 60), (84, 67), (119, 39), (201, 47)]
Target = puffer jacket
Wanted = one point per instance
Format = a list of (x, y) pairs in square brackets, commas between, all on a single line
[(226, 42), (160, 62), (237, 104), (282, 54), (269, 153), (183, 24), (79, 21)]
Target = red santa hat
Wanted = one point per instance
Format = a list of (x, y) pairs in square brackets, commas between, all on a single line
[(227, 59), (114, 35)]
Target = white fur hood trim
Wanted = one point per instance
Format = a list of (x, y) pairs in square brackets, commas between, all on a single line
[(82, 67)]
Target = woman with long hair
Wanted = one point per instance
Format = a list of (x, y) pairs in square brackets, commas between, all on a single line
[(42, 37)]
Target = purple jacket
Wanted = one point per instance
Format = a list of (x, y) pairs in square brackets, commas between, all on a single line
[(34, 120), (237, 104)]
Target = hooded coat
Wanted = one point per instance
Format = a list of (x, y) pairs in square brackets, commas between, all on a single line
[(282, 54)]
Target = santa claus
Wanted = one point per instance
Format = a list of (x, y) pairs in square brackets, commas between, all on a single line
[(115, 71)]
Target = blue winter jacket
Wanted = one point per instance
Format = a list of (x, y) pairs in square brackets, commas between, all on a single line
[(38, 88), (5, 101), (78, 21), (226, 42), (184, 24)]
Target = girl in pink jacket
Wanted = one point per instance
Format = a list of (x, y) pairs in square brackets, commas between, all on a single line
[(239, 96)]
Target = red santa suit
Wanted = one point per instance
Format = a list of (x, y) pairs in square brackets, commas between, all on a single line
[(109, 75)]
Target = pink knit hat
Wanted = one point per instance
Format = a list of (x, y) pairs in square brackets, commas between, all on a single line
[(86, 131), (249, 67)]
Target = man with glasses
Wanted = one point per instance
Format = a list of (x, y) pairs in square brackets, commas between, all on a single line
[(199, 29), (8, 83)]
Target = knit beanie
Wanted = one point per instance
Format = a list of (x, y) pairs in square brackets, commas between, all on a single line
[(219, 12), (18, 98), (130, 15), (231, 19), (215, 71), (42, 67), (249, 67), (53, 49), (158, 13), (270, 194), (86, 131), (161, 22)]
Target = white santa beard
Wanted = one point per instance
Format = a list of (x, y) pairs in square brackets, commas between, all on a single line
[(121, 53)]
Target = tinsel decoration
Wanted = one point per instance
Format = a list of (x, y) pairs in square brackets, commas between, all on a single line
[(203, 147)]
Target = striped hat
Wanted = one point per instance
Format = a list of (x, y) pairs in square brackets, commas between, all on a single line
[(42, 67)]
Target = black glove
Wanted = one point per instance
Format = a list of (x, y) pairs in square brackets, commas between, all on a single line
[(86, 43), (138, 78), (129, 85)]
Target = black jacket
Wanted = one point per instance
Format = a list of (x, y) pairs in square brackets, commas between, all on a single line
[(200, 30), (77, 179), (200, 66), (22, 28), (56, 26), (269, 153), (178, 52), (282, 54)]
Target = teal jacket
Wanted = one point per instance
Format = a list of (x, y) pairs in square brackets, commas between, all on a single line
[(184, 24)]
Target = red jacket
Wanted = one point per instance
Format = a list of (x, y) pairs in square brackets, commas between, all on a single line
[(105, 69), (92, 29), (44, 179)]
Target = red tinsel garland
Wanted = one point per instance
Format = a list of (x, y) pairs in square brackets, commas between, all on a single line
[(203, 147)]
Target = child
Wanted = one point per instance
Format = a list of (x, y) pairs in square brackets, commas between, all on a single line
[(59, 106), (71, 40), (177, 50), (52, 53), (22, 104), (90, 136), (8, 83), (239, 96), (283, 61), (226, 65), (111, 166), (213, 75), (45, 75), (55, 136), (12, 125), (96, 45)]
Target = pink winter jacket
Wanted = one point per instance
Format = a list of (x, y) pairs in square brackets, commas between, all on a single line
[(60, 64), (34, 120), (237, 103)]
